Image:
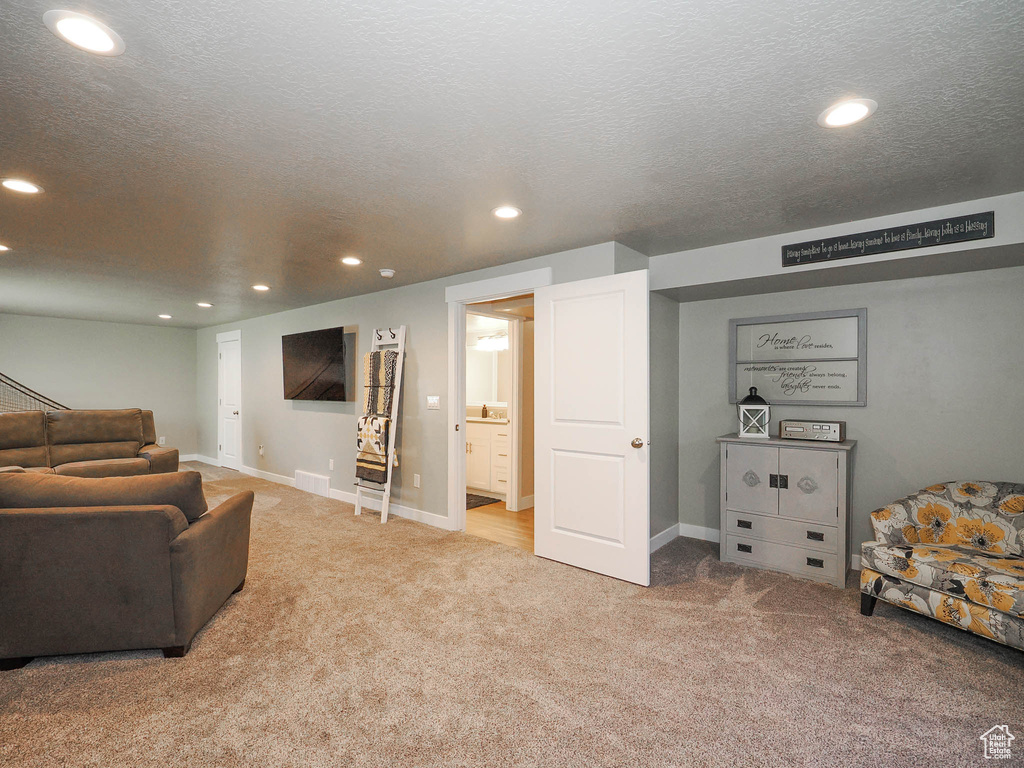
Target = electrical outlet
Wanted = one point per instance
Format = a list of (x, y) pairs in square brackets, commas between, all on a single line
[(261, 449), (415, 481), (433, 402), (331, 463), (162, 441)]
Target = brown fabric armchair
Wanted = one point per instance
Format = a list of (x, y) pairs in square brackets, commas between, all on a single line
[(83, 443), (108, 564)]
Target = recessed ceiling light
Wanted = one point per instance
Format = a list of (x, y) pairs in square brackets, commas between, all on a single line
[(204, 304), (387, 273), (261, 287), (164, 317), (84, 32), (507, 212), (20, 185), (352, 261), (847, 113)]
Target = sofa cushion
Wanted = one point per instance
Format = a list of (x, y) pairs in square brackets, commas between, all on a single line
[(993, 580), (40, 470), (86, 435), (104, 468), (183, 490), (23, 439)]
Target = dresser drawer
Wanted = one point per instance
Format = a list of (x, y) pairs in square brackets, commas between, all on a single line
[(823, 538), (783, 557)]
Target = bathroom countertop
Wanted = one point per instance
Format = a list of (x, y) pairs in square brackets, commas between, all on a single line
[(478, 420)]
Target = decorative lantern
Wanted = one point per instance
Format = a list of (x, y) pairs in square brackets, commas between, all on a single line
[(754, 413)]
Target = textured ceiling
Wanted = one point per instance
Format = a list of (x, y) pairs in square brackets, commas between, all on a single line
[(241, 142)]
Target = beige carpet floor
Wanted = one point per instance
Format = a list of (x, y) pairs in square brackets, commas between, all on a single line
[(357, 644)]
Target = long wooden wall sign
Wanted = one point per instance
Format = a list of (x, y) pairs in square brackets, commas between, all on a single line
[(956, 229)]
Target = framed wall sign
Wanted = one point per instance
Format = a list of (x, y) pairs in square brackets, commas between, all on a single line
[(813, 358)]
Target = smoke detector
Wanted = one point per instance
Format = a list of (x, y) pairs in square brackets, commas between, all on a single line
[(387, 273)]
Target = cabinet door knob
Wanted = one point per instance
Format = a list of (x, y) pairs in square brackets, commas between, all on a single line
[(637, 442)]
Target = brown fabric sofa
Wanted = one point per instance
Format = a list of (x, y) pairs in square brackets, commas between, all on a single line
[(83, 443), (108, 564)]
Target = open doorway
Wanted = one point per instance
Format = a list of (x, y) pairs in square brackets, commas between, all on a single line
[(499, 421)]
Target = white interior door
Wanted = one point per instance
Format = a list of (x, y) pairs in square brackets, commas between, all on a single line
[(592, 505), (229, 403)]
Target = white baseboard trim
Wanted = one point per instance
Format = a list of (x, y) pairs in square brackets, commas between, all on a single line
[(526, 502), (684, 529), (409, 513), (198, 457), (274, 478), (659, 540), (700, 532)]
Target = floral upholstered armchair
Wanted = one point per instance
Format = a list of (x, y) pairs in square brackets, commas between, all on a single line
[(955, 552)]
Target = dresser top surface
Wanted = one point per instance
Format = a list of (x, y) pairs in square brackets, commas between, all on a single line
[(846, 445)]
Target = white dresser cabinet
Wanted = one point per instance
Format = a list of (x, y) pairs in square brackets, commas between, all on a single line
[(487, 451), (785, 506)]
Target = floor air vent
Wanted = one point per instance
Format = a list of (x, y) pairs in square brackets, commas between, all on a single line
[(318, 484)]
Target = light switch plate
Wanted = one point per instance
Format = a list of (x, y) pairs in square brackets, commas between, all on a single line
[(433, 402), (162, 441)]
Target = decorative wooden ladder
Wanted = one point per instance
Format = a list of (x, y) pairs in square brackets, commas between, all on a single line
[(386, 338)]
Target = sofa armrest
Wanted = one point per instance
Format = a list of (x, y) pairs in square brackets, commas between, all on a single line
[(84, 579), (12, 469), (161, 460), (208, 562)]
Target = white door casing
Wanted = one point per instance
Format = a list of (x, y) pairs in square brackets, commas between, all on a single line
[(229, 400), (592, 505), (457, 297)]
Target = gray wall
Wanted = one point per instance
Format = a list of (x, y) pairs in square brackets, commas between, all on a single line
[(85, 364), (306, 435), (945, 360), (664, 451)]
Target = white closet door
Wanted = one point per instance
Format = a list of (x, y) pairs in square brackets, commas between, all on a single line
[(591, 376), (229, 448)]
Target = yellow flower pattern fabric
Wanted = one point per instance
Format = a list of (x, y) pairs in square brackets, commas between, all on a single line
[(955, 552), (954, 570), (958, 612), (982, 515)]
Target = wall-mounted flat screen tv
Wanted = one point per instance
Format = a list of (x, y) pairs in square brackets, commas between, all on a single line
[(320, 365)]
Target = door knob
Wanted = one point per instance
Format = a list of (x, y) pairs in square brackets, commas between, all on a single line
[(234, 413), (637, 442)]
